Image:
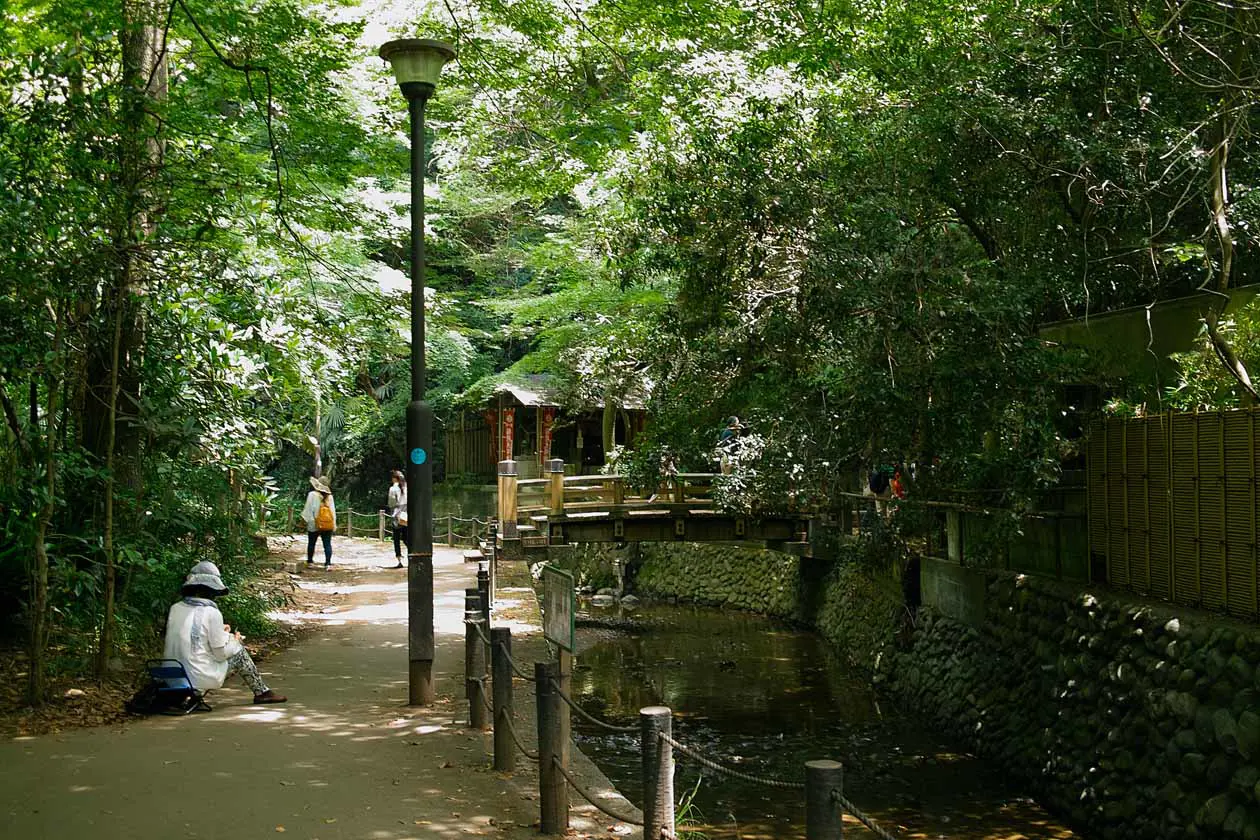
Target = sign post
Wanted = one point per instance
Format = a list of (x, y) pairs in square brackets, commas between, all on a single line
[(559, 610)]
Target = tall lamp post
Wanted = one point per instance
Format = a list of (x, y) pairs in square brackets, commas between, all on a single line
[(417, 64)]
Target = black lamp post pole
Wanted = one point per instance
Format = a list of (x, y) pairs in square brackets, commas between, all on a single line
[(419, 435)]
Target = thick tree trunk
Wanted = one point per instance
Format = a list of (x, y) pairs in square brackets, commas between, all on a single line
[(140, 158)]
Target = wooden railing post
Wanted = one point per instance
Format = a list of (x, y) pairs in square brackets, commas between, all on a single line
[(553, 792), (474, 661), (350, 523), (555, 475), (288, 521), (823, 820), (450, 529), (680, 495), (618, 490), (501, 673), (380, 526), (658, 772)]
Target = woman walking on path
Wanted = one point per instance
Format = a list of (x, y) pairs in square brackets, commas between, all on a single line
[(398, 512), (320, 515), (207, 648)]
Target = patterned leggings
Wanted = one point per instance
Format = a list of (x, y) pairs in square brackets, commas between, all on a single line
[(240, 663)]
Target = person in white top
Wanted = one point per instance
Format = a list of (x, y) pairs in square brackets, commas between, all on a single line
[(207, 648), (398, 513), (320, 495)]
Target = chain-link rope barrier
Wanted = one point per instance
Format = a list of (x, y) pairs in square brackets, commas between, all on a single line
[(735, 774), (839, 798), (575, 707), (585, 794)]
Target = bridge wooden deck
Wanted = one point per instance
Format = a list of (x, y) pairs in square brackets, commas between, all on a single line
[(562, 509)]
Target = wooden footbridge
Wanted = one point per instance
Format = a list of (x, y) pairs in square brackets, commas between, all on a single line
[(561, 509)]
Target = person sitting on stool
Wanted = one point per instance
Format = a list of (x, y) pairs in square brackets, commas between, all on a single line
[(207, 648)]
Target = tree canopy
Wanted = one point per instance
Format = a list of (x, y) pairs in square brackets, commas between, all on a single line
[(842, 222)]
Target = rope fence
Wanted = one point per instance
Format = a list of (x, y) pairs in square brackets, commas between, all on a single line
[(488, 661), (443, 526), (589, 797), (839, 799), (726, 771)]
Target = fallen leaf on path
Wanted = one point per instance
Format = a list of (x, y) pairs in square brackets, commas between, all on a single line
[(286, 784), (281, 829), (330, 820)]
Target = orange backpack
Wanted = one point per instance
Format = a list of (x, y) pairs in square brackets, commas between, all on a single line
[(324, 519)]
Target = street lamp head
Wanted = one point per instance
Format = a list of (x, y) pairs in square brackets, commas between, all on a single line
[(417, 63)]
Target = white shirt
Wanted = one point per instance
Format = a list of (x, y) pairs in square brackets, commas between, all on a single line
[(311, 510), (195, 636), (395, 493), (400, 505)]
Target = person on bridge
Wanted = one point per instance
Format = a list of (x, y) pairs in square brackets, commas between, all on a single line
[(398, 513), (320, 515), (207, 648)]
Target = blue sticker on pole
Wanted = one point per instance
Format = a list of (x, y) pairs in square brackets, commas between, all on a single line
[(419, 456)]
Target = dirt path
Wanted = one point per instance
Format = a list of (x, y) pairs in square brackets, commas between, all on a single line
[(344, 758)]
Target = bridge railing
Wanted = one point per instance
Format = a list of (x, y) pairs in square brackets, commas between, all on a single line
[(566, 495)]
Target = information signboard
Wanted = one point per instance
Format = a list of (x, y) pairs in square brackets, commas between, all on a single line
[(558, 607)]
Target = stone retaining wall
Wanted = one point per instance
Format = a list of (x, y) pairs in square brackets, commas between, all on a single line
[(1134, 720)]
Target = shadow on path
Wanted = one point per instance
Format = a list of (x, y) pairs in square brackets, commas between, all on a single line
[(344, 758)]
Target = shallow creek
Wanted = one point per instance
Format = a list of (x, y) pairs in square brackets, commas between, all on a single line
[(764, 698)]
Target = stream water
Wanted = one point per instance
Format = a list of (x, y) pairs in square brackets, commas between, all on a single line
[(765, 698)]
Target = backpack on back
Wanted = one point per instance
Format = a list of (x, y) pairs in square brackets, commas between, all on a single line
[(324, 519)]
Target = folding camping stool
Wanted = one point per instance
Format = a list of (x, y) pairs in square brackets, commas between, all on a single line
[(175, 692)]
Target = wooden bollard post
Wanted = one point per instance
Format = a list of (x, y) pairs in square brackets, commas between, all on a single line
[(483, 589), (450, 529), (555, 486), (553, 791), (658, 772), (288, 521), (474, 662), (823, 820), (350, 523), (501, 673), (380, 526)]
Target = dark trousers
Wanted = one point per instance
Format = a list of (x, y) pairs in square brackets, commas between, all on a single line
[(311, 536), (400, 534)]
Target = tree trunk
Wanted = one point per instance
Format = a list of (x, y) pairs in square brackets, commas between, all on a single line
[(1223, 129), (35, 686), (107, 624)]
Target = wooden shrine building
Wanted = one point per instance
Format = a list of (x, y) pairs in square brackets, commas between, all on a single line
[(527, 419)]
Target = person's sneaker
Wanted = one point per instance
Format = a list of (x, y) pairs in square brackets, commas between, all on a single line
[(269, 696)]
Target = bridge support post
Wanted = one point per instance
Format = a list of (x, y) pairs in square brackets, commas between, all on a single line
[(512, 549), (658, 771), (555, 486), (501, 673), (474, 661), (553, 791), (823, 820)]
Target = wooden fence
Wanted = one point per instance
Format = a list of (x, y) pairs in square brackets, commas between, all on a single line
[(1173, 507)]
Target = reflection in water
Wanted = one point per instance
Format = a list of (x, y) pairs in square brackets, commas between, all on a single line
[(764, 699)]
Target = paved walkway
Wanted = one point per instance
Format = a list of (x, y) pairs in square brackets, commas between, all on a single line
[(344, 758)]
